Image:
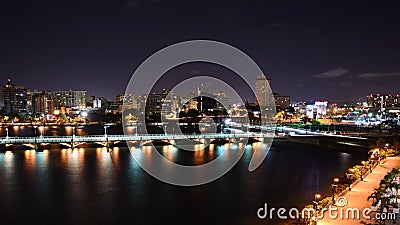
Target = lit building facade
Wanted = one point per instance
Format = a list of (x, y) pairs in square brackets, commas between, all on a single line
[(97, 103), (129, 101), (321, 107), (72, 99), (378, 101), (222, 100), (15, 98), (1, 97), (282, 101), (42, 102), (262, 84)]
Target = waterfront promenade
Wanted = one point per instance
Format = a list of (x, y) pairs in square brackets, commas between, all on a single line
[(357, 197)]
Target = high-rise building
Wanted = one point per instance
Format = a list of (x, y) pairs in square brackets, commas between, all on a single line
[(153, 103), (222, 101), (72, 99), (42, 102), (158, 103), (310, 111), (97, 103), (262, 84), (378, 101), (264, 99), (321, 107), (165, 103), (129, 101), (15, 98), (141, 102), (281, 101), (1, 97), (89, 99)]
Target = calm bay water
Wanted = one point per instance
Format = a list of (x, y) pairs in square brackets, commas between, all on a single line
[(93, 186)]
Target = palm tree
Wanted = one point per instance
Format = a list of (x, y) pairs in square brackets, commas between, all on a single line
[(389, 189), (385, 181), (396, 186), (375, 196)]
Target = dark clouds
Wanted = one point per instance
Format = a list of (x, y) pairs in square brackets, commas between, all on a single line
[(338, 72)]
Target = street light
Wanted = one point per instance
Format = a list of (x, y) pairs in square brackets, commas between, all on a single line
[(105, 136), (362, 170), (105, 131), (34, 129), (41, 131), (350, 177), (7, 132), (316, 198), (371, 163), (73, 137), (334, 188)]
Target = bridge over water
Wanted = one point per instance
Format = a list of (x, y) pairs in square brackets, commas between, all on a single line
[(75, 140), (110, 138), (105, 139)]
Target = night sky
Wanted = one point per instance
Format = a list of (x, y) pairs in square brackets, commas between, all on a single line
[(338, 50)]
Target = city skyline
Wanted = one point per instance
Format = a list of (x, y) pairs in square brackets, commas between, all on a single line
[(158, 89), (337, 50)]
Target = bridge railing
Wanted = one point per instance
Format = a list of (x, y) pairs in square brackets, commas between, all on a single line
[(134, 137)]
